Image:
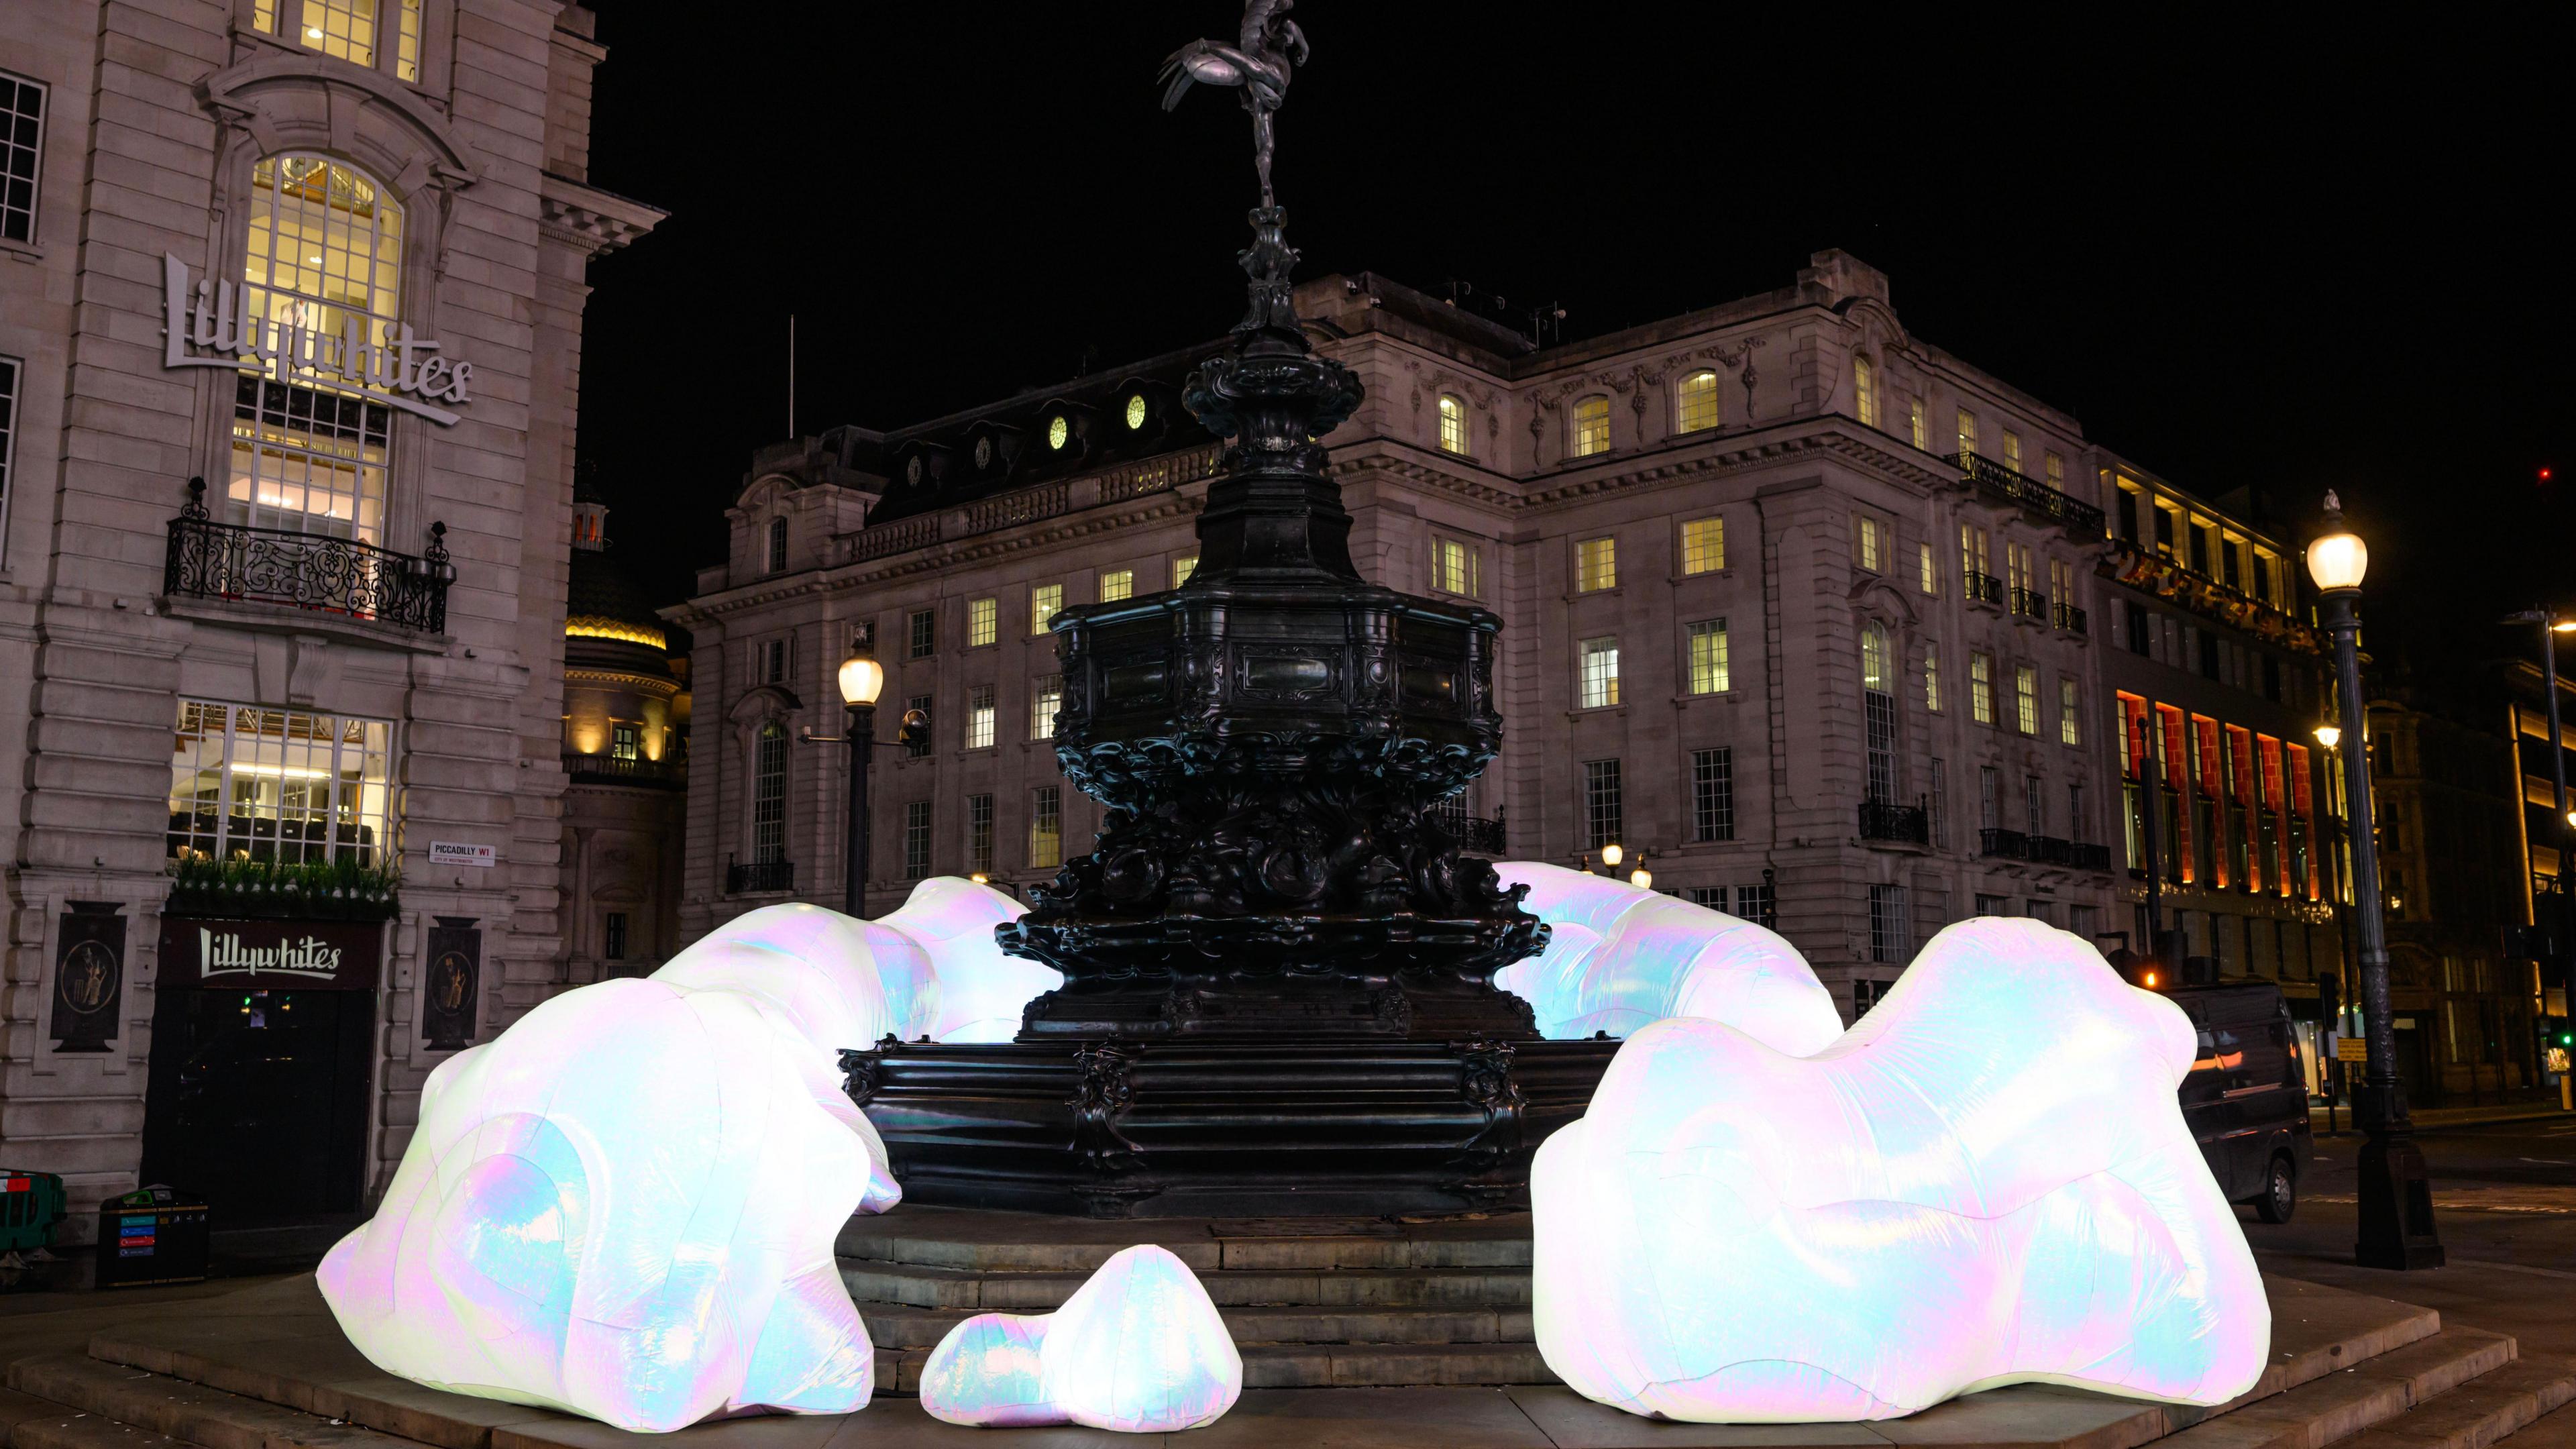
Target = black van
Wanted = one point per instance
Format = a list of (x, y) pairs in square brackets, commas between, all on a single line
[(2246, 1099)]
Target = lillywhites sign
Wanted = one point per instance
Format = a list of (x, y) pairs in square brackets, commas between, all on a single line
[(270, 955), (209, 326)]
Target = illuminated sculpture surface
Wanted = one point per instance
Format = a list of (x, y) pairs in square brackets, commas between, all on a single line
[(1986, 1181), (1622, 956), (1138, 1347), (625, 1205)]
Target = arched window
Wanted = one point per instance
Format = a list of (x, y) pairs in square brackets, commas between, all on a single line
[(323, 254), (1695, 402), (1591, 426), (769, 795), (1878, 705), (1865, 391), (1453, 424), (777, 551)]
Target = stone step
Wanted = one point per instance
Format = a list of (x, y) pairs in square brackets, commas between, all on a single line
[(2555, 1429), (874, 1281), (61, 1430), (180, 1410), (2480, 1412), (969, 1238), (1321, 1365), (901, 1326), (2342, 1402)]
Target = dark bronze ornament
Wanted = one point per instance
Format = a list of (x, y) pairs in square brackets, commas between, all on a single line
[(89, 975)]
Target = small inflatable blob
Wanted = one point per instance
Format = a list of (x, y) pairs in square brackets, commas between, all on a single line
[(1138, 1348)]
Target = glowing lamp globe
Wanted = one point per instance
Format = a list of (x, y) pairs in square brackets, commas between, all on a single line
[(2329, 736), (2338, 560), (1642, 878), (862, 679), (1611, 854)]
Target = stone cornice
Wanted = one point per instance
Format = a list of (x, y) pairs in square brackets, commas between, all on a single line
[(582, 215), (235, 93), (643, 683)]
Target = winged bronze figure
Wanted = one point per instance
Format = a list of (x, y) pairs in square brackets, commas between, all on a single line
[(1259, 62)]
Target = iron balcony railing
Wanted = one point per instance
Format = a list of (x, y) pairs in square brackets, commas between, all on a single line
[(2003, 844), (2042, 849), (613, 770), (1479, 835), (744, 878), (1887, 820), (1983, 588), (2030, 603), (210, 560), (2030, 495), (2071, 619)]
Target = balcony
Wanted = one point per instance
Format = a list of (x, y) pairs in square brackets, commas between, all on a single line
[(341, 576), (2153, 571), (2030, 604), (2030, 495), (669, 774), (2071, 619), (1982, 588), (1478, 836), (759, 877), (2042, 850), (1886, 820), (2003, 844)]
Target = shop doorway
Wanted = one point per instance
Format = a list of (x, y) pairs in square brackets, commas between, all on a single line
[(258, 1099)]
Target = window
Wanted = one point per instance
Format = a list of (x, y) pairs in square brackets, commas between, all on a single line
[(280, 785), (2034, 805), (916, 749), (8, 432), (776, 560), (1045, 602), (1703, 545), (1046, 696), (2019, 572), (2077, 827), (350, 30), (1990, 805), (1878, 710), (1915, 427), (1046, 827), (1865, 540), (1713, 794), (2055, 463), (22, 143), (612, 936), (2012, 450), (1453, 567), (1591, 426), (773, 661), (1708, 673), (1993, 905), (979, 717), (1938, 808), (1600, 803), (916, 839), (625, 741), (1117, 585), (979, 834), (1711, 897), (1695, 402), (1931, 574), (1600, 682), (1932, 676), (1596, 564), (1975, 562), (1967, 434), (1866, 995), (2070, 714), (1759, 905), (1889, 938), (2026, 698), (324, 254), (983, 622), (769, 795), (1981, 686), (922, 625), (1453, 424), (1865, 391), (1182, 568)]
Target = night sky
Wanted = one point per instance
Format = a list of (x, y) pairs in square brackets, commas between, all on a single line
[(2294, 258)]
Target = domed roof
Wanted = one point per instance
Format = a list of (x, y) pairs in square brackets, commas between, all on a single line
[(609, 617)]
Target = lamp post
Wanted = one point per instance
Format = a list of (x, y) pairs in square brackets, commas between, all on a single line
[(862, 679), (2336, 989), (2396, 1199)]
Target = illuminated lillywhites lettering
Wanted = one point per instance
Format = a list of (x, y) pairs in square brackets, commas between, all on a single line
[(208, 326), (225, 954)]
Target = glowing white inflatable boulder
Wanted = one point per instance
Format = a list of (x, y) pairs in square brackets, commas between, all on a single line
[(1986, 1181), (1138, 1348), (979, 992), (1620, 956)]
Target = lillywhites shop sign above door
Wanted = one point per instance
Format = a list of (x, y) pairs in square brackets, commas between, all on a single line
[(210, 327), (271, 955)]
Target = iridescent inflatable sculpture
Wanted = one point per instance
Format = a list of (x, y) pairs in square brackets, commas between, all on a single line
[(1621, 956), (624, 1206), (1138, 1347), (1986, 1181)]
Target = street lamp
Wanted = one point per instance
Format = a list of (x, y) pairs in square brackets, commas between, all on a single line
[(2396, 1199), (862, 680), (2329, 736)]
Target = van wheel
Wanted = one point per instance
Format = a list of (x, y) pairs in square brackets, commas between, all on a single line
[(2280, 1192)]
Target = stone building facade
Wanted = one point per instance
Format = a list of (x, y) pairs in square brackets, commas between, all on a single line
[(280, 757), (1797, 608)]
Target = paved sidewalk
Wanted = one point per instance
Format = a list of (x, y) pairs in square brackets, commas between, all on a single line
[(2436, 1118)]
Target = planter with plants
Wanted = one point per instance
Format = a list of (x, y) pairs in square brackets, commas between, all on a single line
[(337, 890)]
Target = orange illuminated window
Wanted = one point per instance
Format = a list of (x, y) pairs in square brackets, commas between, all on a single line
[(2240, 763), (2276, 835), (2177, 755), (2303, 806)]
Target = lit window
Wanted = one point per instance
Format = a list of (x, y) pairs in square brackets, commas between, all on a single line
[(983, 622), (1117, 584), (776, 561), (2012, 450), (1046, 697), (1453, 567), (1695, 402), (1967, 434), (1453, 424), (1915, 427), (342, 28), (979, 834), (1591, 426), (1058, 430), (1865, 391), (1703, 545), (769, 795), (280, 786), (1182, 568), (1981, 686), (1932, 677), (1045, 602), (1931, 575), (1600, 673), (324, 254), (921, 628), (979, 717), (22, 133), (916, 839), (2026, 698), (1135, 412), (1865, 530), (1046, 827), (625, 741), (2070, 715), (2056, 465), (1596, 564), (1707, 658)]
